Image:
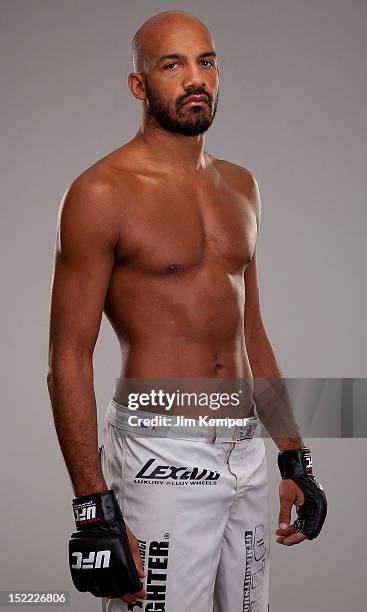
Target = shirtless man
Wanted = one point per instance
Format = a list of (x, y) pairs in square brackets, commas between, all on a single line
[(161, 236)]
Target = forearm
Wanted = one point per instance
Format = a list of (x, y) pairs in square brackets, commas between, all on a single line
[(70, 385), (270, 392)]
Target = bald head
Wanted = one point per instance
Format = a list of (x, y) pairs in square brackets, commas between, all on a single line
[(156, 29)]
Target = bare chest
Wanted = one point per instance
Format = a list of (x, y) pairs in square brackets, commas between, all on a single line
[(168, 228)]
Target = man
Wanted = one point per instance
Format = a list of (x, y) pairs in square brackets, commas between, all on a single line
[(161, 236)]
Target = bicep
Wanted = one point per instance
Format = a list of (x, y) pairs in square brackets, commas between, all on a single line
[(84, 255)]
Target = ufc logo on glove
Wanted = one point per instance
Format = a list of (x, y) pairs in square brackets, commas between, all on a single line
[(93, 561), (85, 512)]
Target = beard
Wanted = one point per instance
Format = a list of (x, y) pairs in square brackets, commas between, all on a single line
[(186, 120)]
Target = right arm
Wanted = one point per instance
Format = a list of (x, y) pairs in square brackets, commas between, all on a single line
[(87, 234), (84, 254)]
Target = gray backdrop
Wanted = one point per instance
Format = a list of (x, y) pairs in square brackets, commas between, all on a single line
[(293, 110)]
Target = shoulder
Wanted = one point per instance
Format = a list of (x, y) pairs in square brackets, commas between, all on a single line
[(106, 178), (235, 174), (96, 181), (90, 208), (94, 190), (239, 178)]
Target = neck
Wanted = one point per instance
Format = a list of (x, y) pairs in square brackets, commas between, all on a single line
[(171, 151)]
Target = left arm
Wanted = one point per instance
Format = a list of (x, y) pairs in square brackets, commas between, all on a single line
[(270, 393), (274, 409)]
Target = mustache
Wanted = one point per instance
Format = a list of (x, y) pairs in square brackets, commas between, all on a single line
[(195, 92)]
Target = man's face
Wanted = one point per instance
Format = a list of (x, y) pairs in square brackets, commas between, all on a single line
[(188, 68)]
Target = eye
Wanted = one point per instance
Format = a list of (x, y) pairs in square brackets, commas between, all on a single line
[(210, 62), (168, 66)]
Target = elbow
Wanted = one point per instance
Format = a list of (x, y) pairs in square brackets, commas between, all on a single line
[(256, 341), (254, 328), (49, 381), (68, 365)]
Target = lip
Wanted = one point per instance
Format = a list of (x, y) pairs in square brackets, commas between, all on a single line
[(196, 99)]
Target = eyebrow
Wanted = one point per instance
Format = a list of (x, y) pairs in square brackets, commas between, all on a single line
[(180, 56)]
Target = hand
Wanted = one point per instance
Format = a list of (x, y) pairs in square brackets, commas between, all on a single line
[(132, 597), (104, 556), (289, 494)]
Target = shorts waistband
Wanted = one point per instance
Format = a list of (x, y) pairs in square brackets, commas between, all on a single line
[(142, 423)]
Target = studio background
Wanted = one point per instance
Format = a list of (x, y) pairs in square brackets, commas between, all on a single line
[(293, 110)]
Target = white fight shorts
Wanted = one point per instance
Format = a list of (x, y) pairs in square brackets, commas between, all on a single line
[(196, 498)]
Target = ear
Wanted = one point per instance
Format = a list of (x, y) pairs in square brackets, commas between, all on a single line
[(136, 84)]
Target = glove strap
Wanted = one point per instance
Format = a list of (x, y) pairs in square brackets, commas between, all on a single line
[(295, 462), (96, 509)]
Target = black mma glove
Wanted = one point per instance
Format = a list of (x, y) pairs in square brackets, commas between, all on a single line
[(99, 551), (297, 465)]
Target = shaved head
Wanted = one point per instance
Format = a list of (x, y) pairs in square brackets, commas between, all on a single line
[(157, 28), (174, 59)]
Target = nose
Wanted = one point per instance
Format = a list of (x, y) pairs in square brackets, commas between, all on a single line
[(194, 77)]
